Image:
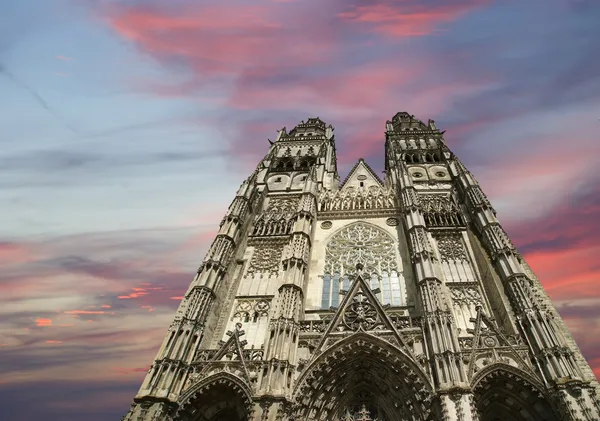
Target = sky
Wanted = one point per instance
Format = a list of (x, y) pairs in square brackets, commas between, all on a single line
[(128, 125)]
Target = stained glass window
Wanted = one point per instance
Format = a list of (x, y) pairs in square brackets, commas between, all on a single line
[(376, 250)]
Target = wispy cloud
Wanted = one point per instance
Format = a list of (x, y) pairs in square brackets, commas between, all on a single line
[(36, 96)]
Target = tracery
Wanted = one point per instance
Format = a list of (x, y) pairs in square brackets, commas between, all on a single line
[(376, 251), (352, 198)]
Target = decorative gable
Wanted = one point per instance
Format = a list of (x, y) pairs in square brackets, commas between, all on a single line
[(361, 176), (360, 311)]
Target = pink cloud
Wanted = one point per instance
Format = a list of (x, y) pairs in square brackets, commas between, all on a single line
[(54, 342), (370, 86), (127, 371), (64, 58), (407, 19), (567, 273), (220, 40), (271, 55), (14, 253)]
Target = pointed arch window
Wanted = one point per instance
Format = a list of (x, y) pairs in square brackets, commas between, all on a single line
[(376, 250)]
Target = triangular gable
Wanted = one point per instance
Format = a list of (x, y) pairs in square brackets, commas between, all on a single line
[(361, 172), (233, 346), (360, 311), (486, 328)]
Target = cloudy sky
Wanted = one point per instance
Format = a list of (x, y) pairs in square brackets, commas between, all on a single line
[(127, 126)]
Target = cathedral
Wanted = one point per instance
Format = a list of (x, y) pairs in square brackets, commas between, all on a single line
[(393, 298)]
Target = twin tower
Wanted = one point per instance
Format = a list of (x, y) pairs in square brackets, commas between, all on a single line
[(394, 299)]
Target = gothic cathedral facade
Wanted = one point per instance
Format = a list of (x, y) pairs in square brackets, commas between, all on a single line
[(398, 298)]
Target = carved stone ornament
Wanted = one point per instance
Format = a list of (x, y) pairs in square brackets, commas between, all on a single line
[(361, 243), (356, 199), (265, 259), (361, 314), (363, 414), (436, 202), (326, 225), (451, 247), (392, 222), (466, 295), (247, 309), (283, 205), (433, 186)]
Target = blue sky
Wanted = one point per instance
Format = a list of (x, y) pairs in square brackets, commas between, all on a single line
[(128, 126)]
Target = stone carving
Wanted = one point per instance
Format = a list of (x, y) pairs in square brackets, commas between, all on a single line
[(466, 295), (433, 186), (370, 247), (284, 206), (451, 247), (278, 218), (392, 222), (439, 210), (351, 198), (326, 225), (364, 244), (316, 326), (361, 314), (363, 414), (435, 202), (251, 309), (265, 259)]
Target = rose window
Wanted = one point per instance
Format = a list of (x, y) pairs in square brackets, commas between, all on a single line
[(376, 251)]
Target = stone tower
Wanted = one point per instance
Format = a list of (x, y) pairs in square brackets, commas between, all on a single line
[(391, 299)]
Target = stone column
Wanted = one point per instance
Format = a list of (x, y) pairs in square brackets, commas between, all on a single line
[(441, 335), (276, 379)]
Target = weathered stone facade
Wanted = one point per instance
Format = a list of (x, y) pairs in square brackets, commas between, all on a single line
[(394, 299)]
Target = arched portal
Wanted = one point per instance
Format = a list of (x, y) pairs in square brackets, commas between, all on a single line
[(363, 373), (222, 397), (502, 393)]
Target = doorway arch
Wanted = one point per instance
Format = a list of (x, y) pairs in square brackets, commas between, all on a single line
[(363, 371), (502, 392), (221, 397)]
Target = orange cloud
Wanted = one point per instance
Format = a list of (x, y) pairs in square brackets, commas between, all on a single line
[(85, 312), (43, 322), (53, 342), (139, 292)]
